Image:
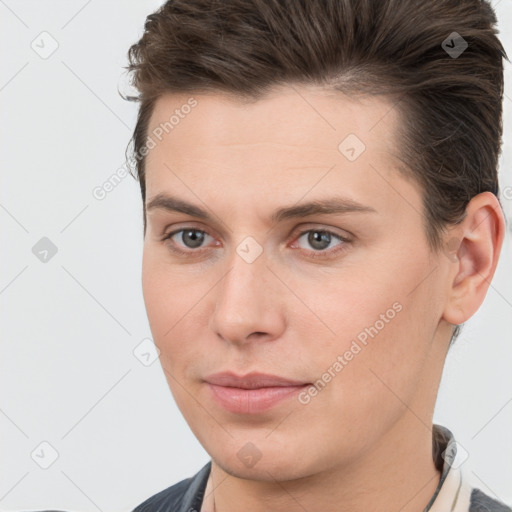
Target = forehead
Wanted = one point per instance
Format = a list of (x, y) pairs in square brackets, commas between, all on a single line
[(310, 119), (295, 141)]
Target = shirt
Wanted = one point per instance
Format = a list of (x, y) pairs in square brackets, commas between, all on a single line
[(453, 493)]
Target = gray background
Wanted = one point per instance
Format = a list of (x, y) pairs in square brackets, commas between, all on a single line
[(70, 325)]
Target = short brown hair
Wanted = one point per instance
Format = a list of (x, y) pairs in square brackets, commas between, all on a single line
[(450, 105)]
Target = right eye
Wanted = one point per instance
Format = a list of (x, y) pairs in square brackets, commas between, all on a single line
[(190, 238)]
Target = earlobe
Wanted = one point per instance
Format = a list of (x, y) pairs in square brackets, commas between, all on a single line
[(475, 246)]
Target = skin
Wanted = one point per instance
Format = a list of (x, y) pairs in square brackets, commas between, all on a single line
[(364, 442)]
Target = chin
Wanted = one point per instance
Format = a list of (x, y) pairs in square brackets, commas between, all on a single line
[(263, 470), (264, 461)]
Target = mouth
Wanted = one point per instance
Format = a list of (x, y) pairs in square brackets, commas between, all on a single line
[(253, 393)]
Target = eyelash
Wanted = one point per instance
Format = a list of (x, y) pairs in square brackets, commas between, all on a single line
[(313, 254)]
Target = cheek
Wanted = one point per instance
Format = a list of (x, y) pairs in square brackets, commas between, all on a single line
[(156, 294), (172, 309), (173, 301), (383, 324), (168, 290), (166, 299), (367, 377)]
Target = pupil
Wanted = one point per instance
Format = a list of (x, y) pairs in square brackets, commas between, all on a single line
[(195, 238), (317, 239)]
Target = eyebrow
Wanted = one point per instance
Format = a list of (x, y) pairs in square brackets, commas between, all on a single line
[(330, 206)]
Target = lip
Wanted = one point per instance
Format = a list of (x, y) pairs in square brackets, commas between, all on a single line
[(252, 393), (252, 380)]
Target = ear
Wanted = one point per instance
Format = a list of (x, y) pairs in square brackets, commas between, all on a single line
[(474, 247)]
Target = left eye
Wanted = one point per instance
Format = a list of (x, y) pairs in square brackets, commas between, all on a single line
[(320, 240)]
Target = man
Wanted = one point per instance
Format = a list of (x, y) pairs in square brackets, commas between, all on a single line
[(320, 214)]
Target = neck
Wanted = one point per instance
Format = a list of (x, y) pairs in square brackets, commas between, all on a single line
[(397, 474)]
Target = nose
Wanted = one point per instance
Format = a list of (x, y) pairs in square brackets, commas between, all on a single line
[(248, 303)]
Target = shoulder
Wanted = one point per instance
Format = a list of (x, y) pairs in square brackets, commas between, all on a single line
[(186, 494), (481, 502)]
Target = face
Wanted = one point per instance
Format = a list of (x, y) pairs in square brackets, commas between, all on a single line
[(345, 300)]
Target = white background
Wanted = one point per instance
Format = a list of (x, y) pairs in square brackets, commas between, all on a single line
[(69, 326)]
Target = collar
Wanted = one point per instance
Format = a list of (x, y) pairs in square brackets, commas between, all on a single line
[(453, 493)]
